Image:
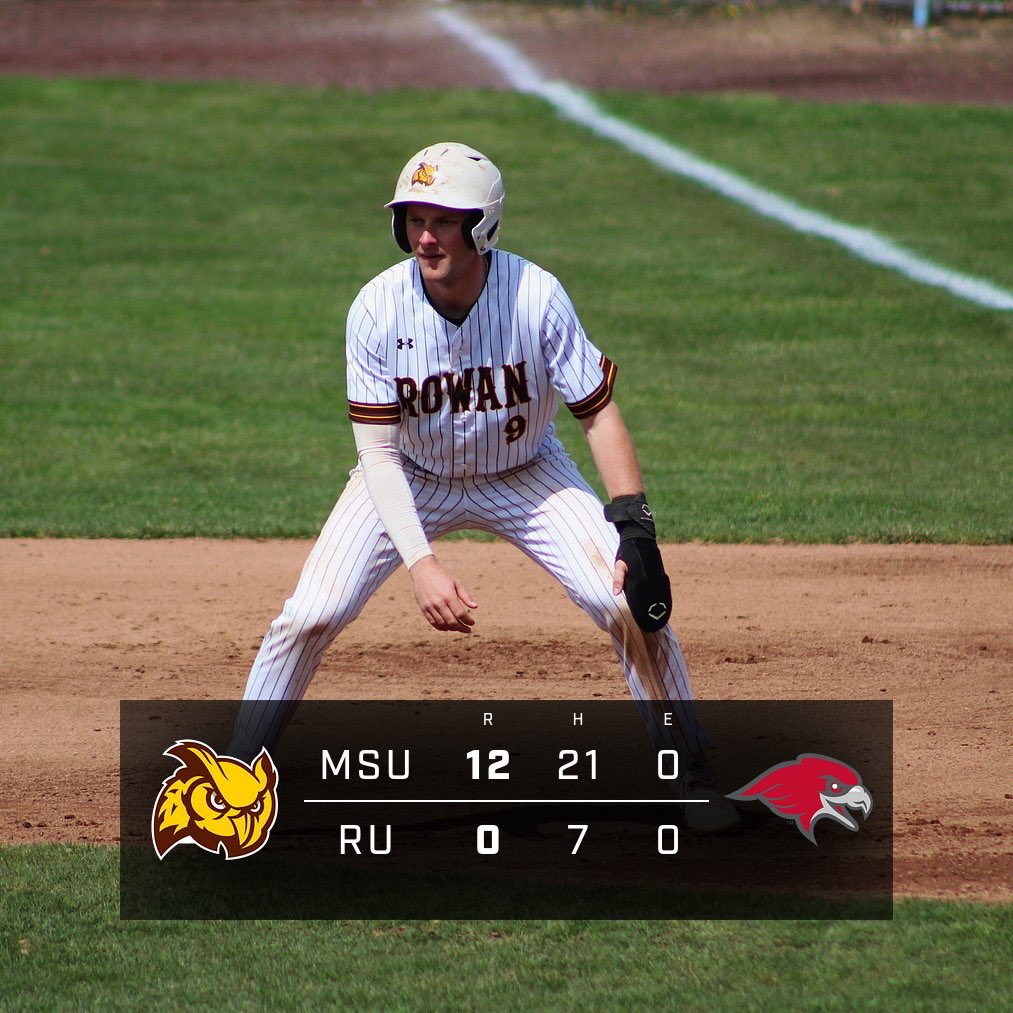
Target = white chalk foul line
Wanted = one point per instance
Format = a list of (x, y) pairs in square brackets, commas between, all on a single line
[(575, 105)]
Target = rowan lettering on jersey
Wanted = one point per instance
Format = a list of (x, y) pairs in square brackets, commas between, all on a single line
[(479, 398), (428, 395)]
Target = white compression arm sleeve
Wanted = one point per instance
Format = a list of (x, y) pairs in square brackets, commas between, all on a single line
[(380, 457)]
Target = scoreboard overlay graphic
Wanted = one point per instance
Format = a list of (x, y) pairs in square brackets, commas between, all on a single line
[(510, 809)]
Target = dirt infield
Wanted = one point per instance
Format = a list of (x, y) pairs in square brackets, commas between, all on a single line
[(85, 624), (804, 53)]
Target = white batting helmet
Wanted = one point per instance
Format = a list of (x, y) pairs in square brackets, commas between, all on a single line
[(451, 175)]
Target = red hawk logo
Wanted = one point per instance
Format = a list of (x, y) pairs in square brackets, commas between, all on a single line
[(807, 789)]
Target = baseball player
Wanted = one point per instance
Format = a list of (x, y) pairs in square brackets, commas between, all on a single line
[(458, 359)]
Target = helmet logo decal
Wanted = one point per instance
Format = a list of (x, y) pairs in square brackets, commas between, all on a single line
[(425, 174)]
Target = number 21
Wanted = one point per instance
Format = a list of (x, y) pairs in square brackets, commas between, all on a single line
[(572, 757)]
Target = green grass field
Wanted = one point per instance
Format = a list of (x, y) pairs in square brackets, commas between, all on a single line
[(179, 259), (64, 946), (176, 265)]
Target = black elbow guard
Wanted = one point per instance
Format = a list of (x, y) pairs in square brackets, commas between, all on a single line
[(648, 589)]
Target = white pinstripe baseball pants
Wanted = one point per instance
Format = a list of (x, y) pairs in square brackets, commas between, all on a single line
[(545, 508)]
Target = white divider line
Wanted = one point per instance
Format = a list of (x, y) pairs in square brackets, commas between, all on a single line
[(575, 105)]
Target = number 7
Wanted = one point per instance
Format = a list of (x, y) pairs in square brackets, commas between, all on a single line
[(582, 827)]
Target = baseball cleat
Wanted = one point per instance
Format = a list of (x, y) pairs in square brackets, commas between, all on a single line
[(713, 813), (716, 815)]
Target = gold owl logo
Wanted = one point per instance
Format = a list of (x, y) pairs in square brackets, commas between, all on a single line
[(216, 802), (425, 174)]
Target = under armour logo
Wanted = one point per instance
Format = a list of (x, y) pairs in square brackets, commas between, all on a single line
[(401, 342)]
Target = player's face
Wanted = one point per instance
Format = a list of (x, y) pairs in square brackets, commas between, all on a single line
[(438, 243)]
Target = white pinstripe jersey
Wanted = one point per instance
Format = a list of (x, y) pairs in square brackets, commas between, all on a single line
[(478, 398)]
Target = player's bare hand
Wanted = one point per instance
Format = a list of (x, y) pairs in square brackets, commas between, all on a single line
[(619, 576), (443, 599)]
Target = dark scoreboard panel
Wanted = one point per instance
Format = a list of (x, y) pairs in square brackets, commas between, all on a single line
[(492, 809)]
